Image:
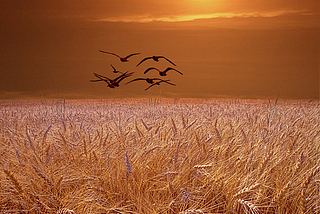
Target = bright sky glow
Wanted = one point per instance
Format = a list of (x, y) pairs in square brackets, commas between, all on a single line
[(183, 18)]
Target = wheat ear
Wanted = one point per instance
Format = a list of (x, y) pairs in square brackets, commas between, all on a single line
[(304, 186), (65, 211), (14, 181)]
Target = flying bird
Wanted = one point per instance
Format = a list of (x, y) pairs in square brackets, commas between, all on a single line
[(156, 58), (162, 73), (106, 81), (103, 79), (148, 80), (158, 83), (112, 83), (115, 70), (122, 59)]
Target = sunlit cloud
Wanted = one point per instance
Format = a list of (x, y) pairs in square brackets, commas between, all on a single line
[(193, 17)]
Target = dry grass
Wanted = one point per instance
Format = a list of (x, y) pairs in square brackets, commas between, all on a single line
[(160, 156)]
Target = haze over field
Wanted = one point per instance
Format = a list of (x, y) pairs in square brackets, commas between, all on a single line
[(242, 49)]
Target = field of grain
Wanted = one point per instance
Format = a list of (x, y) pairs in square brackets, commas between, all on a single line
[(160, 156)]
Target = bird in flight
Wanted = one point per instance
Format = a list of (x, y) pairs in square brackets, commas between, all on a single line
[(122, 59), (112, 83), (148, 80), (103, 79), (155, 58), (162, 73), (115, 70), (158, 83)]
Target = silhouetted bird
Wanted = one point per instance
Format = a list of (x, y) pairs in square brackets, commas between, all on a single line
[(112, 83), (115, 70), (148, 80), (156, 58), (158, 83), (106, 81), (122, 59), (162, 73)]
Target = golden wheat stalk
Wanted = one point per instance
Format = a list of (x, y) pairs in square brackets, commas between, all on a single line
[(65, 211), (43, 176), (204, 166), (247, 190), (304, 186), (299, 163), (264, 163), (192, 211), (146, 126), (129, 169), (28, 198), (280, 194), (174, 126), (14, 181), (43, 207), (248, 206), (191, 124)]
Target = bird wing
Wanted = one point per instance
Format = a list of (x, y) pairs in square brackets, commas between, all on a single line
[(121, 77), (96, 80), (150, 69), (156, 83), (114, 69), (167, 81), (124, 74), (156, 79), (101, 77), (111, 85), (136, 79), (173, 69), (167, 60), (144, 60), (110, 53), (150, 86), (131, 55)]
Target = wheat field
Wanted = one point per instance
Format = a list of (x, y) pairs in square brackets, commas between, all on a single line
[(160, 156)]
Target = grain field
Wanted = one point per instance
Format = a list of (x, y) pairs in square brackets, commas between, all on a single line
[(160, 156)]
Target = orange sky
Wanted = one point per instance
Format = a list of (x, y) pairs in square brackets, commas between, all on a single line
[(224, 48)]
